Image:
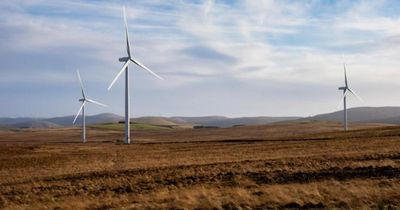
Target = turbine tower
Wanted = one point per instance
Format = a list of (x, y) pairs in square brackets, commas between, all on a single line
[(128, 60), (84, 99), (345, 90)]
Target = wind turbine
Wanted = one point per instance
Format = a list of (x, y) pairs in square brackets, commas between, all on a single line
[(345, 90), (128, 60), (84, 99)]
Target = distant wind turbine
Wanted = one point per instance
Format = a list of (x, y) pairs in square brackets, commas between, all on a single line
[(84, 99), (128, 60), (345, 90)]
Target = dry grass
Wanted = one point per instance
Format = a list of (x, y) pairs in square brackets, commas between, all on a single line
[(303, 165)]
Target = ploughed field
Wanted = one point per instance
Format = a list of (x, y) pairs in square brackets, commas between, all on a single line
[(293, 165)]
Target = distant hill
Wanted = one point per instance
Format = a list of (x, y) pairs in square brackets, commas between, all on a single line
[(220, 121), (35, 124), (9, 120), (390, 115), (94, 119), (387, 115), (57, 121)]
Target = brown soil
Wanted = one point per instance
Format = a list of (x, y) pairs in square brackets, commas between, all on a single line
[(281, 166)]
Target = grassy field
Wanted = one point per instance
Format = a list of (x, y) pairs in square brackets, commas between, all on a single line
[(294, 165), (135, 126)]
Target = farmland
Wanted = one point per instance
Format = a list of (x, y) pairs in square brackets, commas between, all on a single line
[(285, 165)]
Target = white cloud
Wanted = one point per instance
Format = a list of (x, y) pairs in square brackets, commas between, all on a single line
[(249, 43)]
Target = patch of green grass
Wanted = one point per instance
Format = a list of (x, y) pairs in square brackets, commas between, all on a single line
[(3, 127), (135, 126)]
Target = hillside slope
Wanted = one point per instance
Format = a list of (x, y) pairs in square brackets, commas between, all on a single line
[(35, 124), (363, 114), (229, 122)]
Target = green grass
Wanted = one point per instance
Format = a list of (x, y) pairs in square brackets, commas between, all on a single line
[(3, 127), (136, 126)]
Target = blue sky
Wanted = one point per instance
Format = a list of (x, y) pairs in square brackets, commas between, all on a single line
[(233, 58)]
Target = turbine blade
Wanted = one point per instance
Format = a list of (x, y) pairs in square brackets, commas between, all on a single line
[(80, 81), (342, 100), (95, 102), (356, 95), (345, 75), (79, 111), (147, 69), (128, 45), (119, 74)]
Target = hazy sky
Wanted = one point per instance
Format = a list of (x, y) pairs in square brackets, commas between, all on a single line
[(233, 58)]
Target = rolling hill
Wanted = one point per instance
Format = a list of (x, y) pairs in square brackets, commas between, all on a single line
[(389, 115), (164, 121), (9, 120), (35, 124), (386, 115), (57, 121), (220, 121), (94, 119), (198, 120)]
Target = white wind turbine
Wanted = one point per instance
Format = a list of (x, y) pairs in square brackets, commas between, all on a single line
[(345, 90), (128, 60), (84, 99)]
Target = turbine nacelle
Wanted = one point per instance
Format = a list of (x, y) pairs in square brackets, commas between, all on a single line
[(124, 59), (81, 99), (342, 88)]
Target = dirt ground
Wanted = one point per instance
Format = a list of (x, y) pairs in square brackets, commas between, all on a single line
[(281, 166)]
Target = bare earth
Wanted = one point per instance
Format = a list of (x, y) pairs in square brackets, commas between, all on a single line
[(296, 165)]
